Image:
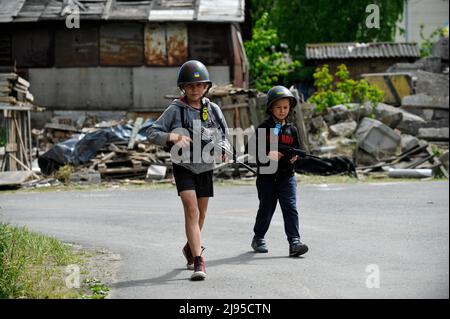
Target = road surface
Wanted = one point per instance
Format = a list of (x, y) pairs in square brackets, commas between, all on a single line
[(382, 240)]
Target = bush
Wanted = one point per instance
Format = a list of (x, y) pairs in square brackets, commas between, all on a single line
[(342, 91)]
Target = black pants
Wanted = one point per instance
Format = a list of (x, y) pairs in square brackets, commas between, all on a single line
[(270, 191)]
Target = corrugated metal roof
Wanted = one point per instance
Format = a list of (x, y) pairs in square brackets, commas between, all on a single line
[(361, 50), (9, 9), (151, 10)]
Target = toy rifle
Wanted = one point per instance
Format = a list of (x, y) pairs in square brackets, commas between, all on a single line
[(224, 150), (290, 151)]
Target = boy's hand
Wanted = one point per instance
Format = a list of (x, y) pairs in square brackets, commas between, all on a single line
[(294, 159), (275, 156), (223, 158), (180, 140)]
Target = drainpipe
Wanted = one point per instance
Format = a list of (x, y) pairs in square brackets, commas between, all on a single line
[(407, 21)]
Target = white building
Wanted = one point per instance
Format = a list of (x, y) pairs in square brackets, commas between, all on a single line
[(432, 14)]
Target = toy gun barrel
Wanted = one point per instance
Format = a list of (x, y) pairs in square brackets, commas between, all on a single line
[(290, 151)]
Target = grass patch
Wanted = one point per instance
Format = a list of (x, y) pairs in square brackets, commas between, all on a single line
[(35, 266)]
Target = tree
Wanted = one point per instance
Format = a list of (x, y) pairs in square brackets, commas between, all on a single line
[(269, 65), (313, 21)]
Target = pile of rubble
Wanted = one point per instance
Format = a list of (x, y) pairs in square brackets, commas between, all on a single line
[(383, 139), (410, 139), (103, 151)]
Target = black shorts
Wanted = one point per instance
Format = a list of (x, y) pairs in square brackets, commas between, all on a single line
[(185, 180)]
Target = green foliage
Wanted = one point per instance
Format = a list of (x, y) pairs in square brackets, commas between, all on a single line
[(268, 65), (317, 21), (428, 42), (63, 174), (97, 288), (342, 91)]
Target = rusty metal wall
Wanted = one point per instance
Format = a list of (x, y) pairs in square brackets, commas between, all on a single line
[(77, 47), (166, 44), (177, 43), (155, 44), (121, 44)]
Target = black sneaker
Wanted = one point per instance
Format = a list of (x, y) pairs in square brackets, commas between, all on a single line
[(297, 248), (259, 245)]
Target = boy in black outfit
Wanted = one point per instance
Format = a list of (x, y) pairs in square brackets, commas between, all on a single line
[(279, 186)]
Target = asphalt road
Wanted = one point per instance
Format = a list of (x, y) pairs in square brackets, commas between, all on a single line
[(391, 237)]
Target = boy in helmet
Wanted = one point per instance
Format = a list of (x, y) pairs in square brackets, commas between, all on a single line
[(279, 186), (194, 179)]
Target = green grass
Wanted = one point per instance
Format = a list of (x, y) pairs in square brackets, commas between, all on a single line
[(34, 266)]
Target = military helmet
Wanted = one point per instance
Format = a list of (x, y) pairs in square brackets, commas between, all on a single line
[(277, 93), (193, 72)]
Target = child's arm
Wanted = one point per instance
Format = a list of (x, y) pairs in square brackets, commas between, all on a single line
[(160, 132)]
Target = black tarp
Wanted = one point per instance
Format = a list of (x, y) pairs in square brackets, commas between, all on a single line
[(82, 148)]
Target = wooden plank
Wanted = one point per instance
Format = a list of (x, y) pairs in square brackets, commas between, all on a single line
[(254, 112), (23, 154), (300, 123), (23, 82), (121, 170), (8, 99), (16, 178), (23, 165), (136, 128)]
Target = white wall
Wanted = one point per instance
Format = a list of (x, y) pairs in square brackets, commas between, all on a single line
[(432, 14)]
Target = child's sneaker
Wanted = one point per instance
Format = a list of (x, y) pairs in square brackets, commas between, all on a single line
[(199, 268), (297, 248), (259, 245), (189, 258)]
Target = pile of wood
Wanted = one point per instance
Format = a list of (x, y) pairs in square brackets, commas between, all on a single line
[(118, 161), (14, 89)]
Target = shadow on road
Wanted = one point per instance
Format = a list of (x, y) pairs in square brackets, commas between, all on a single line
[(244, 258)]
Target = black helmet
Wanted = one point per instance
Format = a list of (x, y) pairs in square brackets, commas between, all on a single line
[(193, 72), (277, 93)]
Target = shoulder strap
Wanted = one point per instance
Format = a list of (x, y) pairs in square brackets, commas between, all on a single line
[(218, 118), (183, 120)]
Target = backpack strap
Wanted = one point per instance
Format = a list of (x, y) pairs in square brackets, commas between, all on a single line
[(217, 117)]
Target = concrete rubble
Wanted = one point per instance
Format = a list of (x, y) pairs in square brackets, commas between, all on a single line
[(408, 140)]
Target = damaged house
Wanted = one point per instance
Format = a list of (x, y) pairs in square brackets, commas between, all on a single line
[(119, 56)]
